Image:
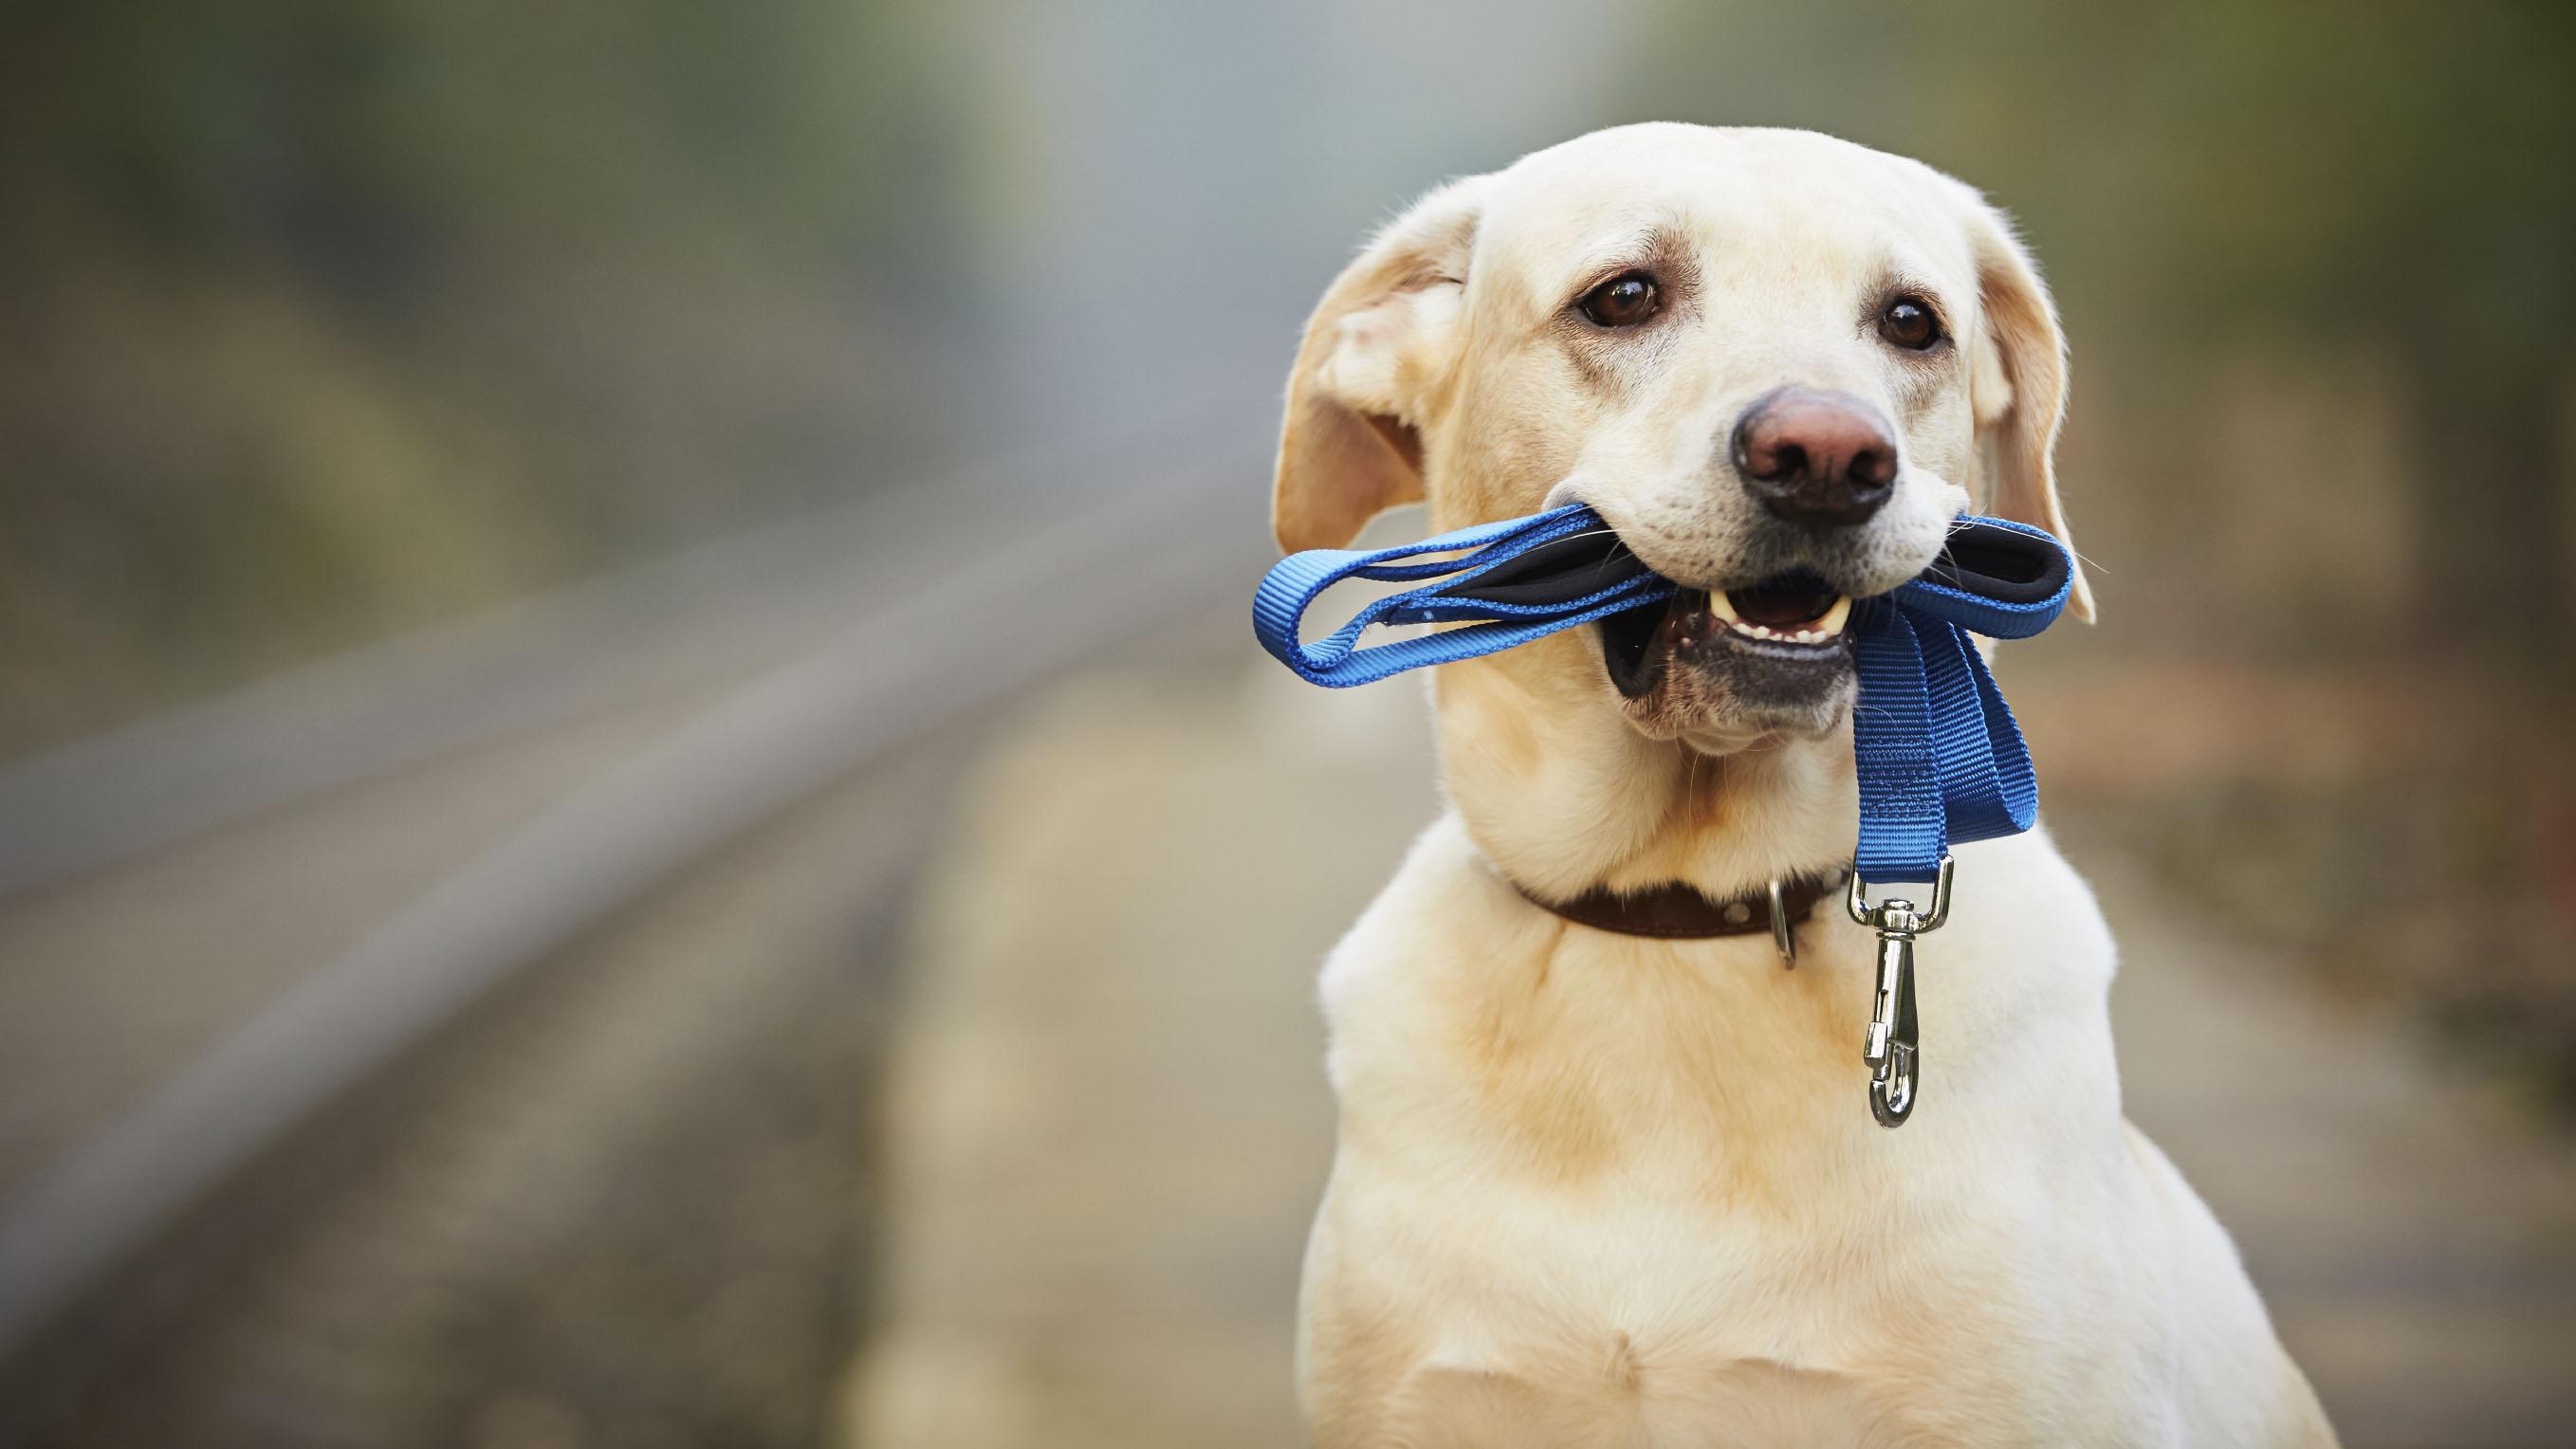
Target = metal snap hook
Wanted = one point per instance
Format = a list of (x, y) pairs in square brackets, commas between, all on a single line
[(1896, 1070), (1893, 1048)]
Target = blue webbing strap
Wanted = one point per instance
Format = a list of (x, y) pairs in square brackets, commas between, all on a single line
[(1339, 660), (1938, 755)]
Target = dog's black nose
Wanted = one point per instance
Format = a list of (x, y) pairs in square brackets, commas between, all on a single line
[(1822, 459)]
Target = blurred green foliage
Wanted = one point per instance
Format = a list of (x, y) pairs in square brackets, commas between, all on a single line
[(334, 317)]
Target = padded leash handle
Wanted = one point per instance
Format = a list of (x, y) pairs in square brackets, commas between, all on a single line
[(1939, 756), (1509, 582)]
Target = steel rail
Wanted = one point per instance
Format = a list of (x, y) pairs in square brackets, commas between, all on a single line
[(993, 619)]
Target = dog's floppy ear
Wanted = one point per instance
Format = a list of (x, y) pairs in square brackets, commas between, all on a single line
[(1379, 346), (2017, 383)]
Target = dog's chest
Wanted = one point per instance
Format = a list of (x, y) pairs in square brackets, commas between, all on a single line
[(1647, 1311), (1635, 1185)]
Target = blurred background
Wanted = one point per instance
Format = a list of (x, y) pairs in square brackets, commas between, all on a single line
[(630, 771)]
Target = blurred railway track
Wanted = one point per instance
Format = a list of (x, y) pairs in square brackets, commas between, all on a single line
[(329, 1010), (619, 1199)]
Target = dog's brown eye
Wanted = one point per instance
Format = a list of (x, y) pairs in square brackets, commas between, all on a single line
[(1623, 301), (1910, 323)]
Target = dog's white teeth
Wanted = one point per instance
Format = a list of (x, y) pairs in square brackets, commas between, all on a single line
[(1825, 630)]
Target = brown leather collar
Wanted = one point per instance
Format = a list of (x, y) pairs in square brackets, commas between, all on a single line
[(1679, 912)]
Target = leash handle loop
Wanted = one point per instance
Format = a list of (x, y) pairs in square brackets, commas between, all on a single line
[(1614, 583)]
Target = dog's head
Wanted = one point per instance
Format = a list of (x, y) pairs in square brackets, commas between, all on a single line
[(1777, 363)]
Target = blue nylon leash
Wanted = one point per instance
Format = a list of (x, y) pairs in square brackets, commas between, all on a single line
[(1937, 753), (1939, 757), (1339, 661)]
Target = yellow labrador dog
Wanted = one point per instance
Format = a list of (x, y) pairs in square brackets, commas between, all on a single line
[(1603, 1188)]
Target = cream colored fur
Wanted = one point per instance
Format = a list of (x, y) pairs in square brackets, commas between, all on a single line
[(1597, 1190)]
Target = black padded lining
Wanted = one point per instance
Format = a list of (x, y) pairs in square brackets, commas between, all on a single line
[(2003, 564), (1556, 573)]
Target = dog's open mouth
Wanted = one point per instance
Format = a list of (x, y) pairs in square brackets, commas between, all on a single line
[(1797, 609), (1785, 627)]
